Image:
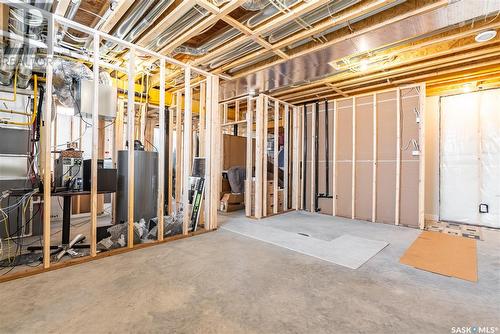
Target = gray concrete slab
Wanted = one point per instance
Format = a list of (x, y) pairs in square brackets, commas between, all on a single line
[(222, 282)]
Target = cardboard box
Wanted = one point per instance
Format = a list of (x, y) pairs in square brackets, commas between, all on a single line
[(227, 207), (233, 198), (226, 188)]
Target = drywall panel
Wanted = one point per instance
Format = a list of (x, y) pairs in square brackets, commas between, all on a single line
[(344, 189), (386, 192)]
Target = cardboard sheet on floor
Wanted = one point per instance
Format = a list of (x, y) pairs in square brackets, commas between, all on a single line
[(443, 254), (347, 250)]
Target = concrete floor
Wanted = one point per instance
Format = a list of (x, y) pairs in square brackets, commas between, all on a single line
[(222, 282)]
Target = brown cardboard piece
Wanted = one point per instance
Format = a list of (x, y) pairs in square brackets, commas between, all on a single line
[(443, 254)]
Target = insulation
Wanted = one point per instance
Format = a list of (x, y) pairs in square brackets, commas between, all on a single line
[(343, 177), (364, 158), (409, 187), (386, 157), (470, 158)]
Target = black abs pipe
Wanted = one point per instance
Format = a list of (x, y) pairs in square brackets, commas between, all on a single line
[(316, 156), (327, 155), (304, 158), (327, 150)]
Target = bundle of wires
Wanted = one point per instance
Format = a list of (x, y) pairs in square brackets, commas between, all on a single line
[(22, 203)]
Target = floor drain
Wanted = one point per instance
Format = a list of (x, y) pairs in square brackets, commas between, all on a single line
[(304, 234)]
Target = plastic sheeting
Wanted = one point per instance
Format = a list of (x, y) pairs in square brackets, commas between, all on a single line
[(470, 158)]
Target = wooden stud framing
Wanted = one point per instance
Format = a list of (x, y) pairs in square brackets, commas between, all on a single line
[(313, 158), (264, 158), (178, 149), (95, 139), (161, 154), (170, 199), (334, 169), (275, 155), (249, 161), (296, 159), (398, 155), (259, 143), (353, 175), (304, 159), (188, 128), (421, 143), (216, 149), (374, 162), (209, 196), (130, 161), (117, 144), (47, 147), (286, 170)]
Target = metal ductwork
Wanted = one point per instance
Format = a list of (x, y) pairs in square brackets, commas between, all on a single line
[(315, 65), (69, 14), (311, 18), (255, 5), (17, 21), (65, 73), (149, 19), (138, 10), (267, 12), (273, 36), (178, 27)]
